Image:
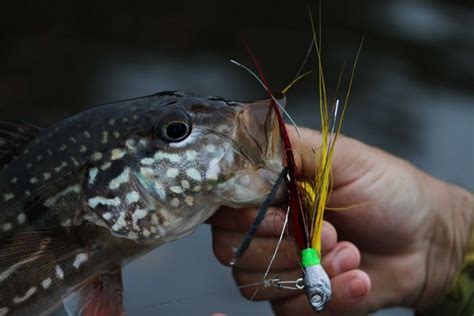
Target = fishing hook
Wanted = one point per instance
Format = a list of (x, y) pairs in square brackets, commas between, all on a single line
[(297, 284)]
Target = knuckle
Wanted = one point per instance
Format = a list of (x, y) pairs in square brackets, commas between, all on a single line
[(247, 293), (242, 278), (273, 222), (221, 250), (246, 218)]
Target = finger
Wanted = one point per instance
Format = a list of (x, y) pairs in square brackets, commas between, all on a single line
[(342, 258), (240, 220), (261, 249), (328, 237), (349, 291), (258, 255), (260, 293)]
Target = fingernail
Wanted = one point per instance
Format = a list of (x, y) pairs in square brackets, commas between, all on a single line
[(357, 288), (340, 258)]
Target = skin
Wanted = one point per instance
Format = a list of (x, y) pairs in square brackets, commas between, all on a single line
[(400, 241)]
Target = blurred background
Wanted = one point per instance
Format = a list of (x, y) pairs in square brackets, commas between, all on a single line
[(413, 91)]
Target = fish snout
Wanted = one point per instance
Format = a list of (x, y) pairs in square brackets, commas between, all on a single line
[(259, 133), (258, 141)]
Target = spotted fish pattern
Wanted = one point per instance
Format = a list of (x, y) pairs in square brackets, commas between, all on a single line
[(86, 195)]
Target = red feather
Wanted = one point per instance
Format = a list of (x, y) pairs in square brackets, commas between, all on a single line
[(294, 200)]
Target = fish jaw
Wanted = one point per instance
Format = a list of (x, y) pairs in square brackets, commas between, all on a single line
[(256, 156)]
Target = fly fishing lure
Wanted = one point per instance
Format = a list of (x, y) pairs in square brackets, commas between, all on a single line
[(308, 196)]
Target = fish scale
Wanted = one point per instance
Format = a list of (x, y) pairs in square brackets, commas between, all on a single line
[(86, 195)]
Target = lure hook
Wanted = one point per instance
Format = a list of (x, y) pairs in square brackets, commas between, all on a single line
[(297, 284)]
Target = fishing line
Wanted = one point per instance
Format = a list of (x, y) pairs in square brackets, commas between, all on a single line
[(275, 282), (259, 218), (277, 247), (280, 239), (187, 298), (281, 107)]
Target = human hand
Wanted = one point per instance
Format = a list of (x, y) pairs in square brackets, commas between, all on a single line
[(403, 234)]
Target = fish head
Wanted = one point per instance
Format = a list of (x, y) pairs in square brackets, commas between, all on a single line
[(203, 153), (254, 161)]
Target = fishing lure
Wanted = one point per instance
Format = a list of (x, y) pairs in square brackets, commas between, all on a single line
[(307, 198), (315, 281), (315, 192)]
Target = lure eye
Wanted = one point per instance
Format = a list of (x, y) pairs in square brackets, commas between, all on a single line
[(316, 299), (173, 125)]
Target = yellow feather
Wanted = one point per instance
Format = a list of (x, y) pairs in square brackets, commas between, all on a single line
[(317, 190)]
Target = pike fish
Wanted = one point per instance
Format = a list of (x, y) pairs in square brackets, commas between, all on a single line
[(82, 197)]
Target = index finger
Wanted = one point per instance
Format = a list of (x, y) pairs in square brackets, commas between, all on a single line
[(240, 220)]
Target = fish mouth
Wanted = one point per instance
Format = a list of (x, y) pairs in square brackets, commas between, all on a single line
[(259, 141), (261, 131)]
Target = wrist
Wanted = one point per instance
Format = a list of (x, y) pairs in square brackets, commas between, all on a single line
[(453, 212)]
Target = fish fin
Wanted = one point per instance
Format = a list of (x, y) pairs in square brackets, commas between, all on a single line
[(100, 295), (41, 260), (41, 211), (13, 136), (46, 246)]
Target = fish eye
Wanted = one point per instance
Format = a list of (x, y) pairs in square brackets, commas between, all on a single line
[(173, 125), (175, 131)]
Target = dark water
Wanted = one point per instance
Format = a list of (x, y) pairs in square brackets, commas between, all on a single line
[(412, 95)]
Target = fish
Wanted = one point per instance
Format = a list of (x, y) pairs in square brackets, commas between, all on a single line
[(84, 196)]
